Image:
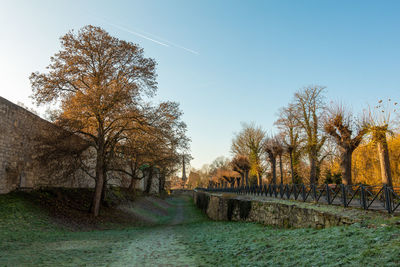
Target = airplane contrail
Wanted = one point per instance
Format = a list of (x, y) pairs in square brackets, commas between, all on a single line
[(162, 41), (137, 34), (171, 43)]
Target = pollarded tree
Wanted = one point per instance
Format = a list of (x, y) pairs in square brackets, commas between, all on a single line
[(274, 150), (249, 142), (291, 138), (279, 150), (379, 121), (340, 125), (98, 80), (309, 106), (241, 164)]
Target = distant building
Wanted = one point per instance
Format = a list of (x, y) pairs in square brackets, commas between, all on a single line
[(184, 178)]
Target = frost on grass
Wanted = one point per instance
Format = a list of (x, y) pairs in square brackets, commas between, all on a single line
[(189, 239)]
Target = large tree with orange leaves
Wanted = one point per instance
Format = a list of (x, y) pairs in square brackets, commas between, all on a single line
[(98, 81)]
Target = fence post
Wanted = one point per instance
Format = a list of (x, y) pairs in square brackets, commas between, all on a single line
[(287, 191), (388, 200), (363, 198), (314, 192), (344, 196)]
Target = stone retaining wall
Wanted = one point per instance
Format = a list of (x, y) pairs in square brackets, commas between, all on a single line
[(230, 207), (18, 152), (18, 127)]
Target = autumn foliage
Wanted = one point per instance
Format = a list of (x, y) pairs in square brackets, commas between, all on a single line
[(100, 84)]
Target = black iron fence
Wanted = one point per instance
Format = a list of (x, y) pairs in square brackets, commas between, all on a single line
[(367, 197)]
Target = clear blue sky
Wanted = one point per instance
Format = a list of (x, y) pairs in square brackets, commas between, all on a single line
[(224, 61)]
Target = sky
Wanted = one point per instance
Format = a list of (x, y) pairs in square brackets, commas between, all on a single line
[(225, 62)]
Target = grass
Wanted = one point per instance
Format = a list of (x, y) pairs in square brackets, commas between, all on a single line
[(29, 237), (246, 244)]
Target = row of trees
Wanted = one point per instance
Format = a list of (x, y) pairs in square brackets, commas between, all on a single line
[(315, 140), (102, 87)]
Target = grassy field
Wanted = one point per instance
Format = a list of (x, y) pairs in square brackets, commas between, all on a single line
[(181, 236)]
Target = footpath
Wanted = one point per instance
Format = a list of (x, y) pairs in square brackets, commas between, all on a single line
[(161, 245)]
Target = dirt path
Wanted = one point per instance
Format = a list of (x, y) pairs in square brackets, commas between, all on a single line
[(159, 246), (179, 214)]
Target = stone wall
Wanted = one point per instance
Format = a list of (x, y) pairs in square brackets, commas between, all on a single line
[(18, 165), (16, 158), (230, 207), (154, 187)]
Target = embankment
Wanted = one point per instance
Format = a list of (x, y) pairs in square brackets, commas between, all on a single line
[(286, 214)]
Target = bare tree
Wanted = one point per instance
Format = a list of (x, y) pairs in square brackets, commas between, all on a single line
[(279, 148), (291, 138), (241, 164), (249, 142), (309, 106), (274, 150), (379, 120), (340, 125)]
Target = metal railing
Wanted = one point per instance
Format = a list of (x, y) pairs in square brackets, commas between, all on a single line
[(367, 197)]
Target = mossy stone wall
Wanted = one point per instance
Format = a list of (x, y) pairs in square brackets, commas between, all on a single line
[(229, 207)]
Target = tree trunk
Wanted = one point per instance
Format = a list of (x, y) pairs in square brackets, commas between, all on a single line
[(313, 169), (237, 182), (104, 191), (149, 180), (273, 169), (296, 161), (99, 183), (383, 152), (132, 184), (345, 166), (280, 168), (133, 180), (292, 167), (247, 178), (161, 184), (259, 177)]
